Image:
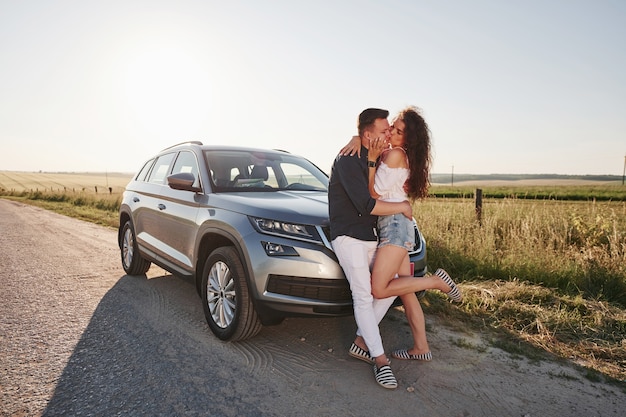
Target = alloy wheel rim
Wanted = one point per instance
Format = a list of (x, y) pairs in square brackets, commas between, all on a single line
[(127, 248), (221, 294)]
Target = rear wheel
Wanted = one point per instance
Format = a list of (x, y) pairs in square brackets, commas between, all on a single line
[(132, 261), (226, 300)]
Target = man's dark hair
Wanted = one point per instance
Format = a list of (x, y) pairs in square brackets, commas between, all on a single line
[(369, 116)]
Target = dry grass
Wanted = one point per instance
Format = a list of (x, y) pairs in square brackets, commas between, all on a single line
[(549, 276), (103, 211), (577, 247), (590, 333), (93, 197)]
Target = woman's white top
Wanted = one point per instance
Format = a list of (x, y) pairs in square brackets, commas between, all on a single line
[(389, 182)]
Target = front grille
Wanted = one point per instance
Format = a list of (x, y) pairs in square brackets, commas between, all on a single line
[(327, 290)]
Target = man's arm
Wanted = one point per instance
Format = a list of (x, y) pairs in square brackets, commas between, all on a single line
[(356, 186)]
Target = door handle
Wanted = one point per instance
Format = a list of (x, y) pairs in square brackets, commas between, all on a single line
[(161, 206)]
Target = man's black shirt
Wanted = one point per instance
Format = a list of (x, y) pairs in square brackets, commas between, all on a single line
[(349, 200)]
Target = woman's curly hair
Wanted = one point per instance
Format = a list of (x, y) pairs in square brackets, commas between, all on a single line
[(417, 145)]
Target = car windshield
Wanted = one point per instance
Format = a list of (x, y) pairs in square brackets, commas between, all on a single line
[(241, 170)]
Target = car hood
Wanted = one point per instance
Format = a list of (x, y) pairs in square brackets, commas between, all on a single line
[(306, 207)]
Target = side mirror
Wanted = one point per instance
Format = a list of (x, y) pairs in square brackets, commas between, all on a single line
[(183, 181)]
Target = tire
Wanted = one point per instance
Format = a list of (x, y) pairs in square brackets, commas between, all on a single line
[(132, 261), (226, 300)]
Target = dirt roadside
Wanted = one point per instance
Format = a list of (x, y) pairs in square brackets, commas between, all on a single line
[(78, 337)]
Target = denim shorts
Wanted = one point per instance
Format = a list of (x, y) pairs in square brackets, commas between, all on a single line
[(396, 230)]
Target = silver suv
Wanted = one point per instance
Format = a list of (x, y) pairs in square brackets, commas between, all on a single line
[(249, 226)]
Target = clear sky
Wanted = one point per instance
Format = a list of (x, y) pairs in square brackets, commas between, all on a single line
[(508, 87)]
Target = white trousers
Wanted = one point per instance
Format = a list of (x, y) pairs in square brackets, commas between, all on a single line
[(356, 258)]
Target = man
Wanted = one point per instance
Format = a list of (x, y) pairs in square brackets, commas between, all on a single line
[(353, 214)]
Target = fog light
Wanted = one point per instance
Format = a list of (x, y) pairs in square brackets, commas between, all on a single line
[(276, 249)]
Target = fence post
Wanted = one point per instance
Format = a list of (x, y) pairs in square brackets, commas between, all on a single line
[(479, 205)]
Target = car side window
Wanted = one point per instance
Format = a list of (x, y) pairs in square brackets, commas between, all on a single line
[(144, 171), (186, 162), (161, 169)]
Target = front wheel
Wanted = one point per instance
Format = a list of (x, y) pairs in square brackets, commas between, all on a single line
[(226, 300), (132, 261)]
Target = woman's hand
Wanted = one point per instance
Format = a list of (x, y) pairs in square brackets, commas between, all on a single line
[(377, 146), (354, 146), (407, 210)]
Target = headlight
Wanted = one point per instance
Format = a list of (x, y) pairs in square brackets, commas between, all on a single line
[(276, 249), (289, 230)]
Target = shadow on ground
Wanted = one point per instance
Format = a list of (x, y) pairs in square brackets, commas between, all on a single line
[(147, 351)]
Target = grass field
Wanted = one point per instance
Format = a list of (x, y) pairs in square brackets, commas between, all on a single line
[(93, 197), (64, 182), (552, 273), (544, 269)]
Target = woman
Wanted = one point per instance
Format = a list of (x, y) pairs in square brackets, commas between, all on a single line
[(403, 174)]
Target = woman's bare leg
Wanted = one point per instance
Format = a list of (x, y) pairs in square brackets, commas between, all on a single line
[(389, 260), (415, 317), (414, 314)]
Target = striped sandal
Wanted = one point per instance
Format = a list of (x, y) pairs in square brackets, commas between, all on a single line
[(404, 354), (358, 353), (454, 293), (385, 377)]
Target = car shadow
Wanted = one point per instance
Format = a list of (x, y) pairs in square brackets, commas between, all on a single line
[(147, 350), (135, 358)]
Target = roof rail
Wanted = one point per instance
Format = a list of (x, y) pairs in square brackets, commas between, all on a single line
[(191, 142)]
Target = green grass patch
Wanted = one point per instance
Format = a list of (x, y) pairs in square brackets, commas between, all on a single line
[(614, 192), (100, 209)]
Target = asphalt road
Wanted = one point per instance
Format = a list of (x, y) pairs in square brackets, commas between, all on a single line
[(78, 337)]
